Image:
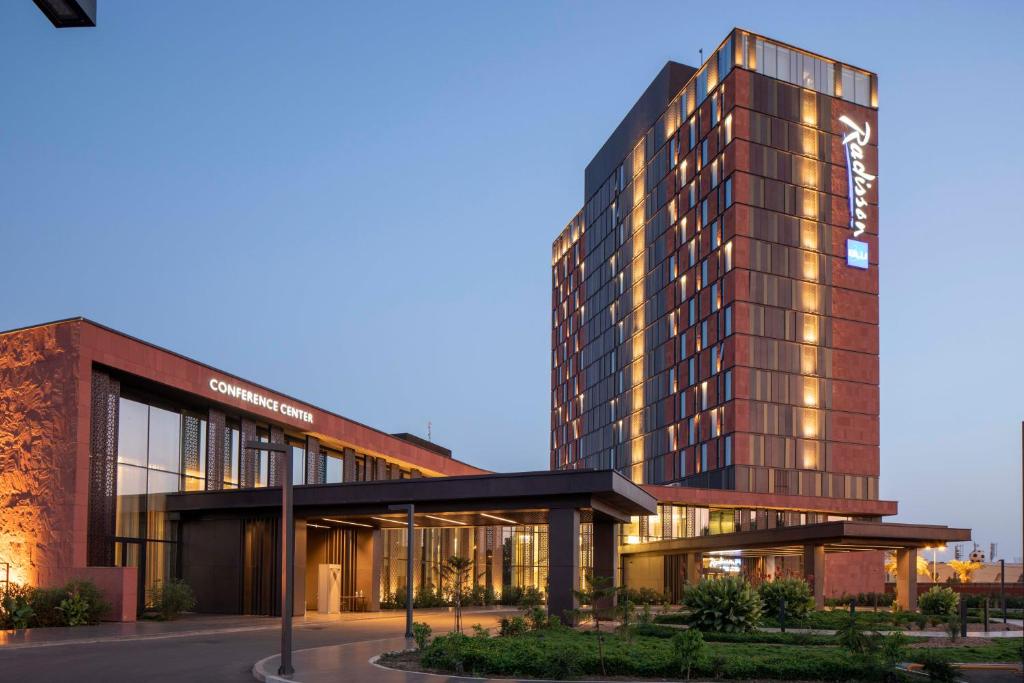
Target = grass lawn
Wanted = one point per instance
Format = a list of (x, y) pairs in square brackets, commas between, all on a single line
[(564, 653)]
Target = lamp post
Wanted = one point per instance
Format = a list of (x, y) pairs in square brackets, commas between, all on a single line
[(69, 13), (287, 551), (409, 509), (935, 571)]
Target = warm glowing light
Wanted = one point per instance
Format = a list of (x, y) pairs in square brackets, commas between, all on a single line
[(500, 519), (342, 521), (810, 392), (809, 235), (393, 521), (810, 266), (444, 519), (810, 329)]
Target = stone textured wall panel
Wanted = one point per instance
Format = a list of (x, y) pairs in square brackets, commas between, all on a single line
[(38, 432)]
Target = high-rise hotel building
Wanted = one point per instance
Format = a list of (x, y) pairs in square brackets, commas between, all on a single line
[(715, 301)]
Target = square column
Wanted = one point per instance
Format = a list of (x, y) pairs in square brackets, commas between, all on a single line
[(369, 559), (605, 557), (563, 562), (693, 565), (480, 556), (814, 572), (906, 578), (497, 562)]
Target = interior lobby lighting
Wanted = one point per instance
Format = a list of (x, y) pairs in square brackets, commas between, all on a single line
[(342, 521), (317, 526), (443, 519), (393, 521), (500, 519)]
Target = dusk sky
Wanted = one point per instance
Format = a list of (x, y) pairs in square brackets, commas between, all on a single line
[(355, 203)]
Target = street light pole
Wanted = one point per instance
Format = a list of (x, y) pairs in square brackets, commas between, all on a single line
[(409, 509), (287, 551)]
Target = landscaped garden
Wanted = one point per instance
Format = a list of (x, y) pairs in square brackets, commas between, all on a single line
[(716, 633)]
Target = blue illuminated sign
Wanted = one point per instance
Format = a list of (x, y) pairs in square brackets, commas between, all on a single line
[(856, 254)]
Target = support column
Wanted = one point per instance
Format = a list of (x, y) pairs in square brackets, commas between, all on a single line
[(348, 465), (693, 565), (605, 557), (906, 578), (563, 562), (769, 567), (299, 569), (497, 561), (814, 572), (369, 558), (480, 556)]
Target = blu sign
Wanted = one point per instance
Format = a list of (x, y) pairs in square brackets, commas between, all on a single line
[(859, 182), (856, 254)]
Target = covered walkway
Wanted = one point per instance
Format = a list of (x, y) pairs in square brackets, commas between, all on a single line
[(812, 542)]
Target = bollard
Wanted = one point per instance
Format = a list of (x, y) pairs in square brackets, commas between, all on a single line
[(985, 614), (963, 618)]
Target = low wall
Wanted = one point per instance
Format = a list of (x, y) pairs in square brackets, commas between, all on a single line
[(119, 586), (1014, 589)]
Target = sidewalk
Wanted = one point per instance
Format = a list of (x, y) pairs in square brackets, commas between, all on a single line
[(186, 626)]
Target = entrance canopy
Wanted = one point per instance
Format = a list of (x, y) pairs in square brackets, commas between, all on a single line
[(478, 500), (839, 536)]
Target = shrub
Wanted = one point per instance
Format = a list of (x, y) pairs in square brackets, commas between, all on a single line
[(96, 604), (795, 592), (74, 610), (953, 626), (724, 604), (421, 634), (689, 647), (892, 650), (172, 597), (939, 668), (15, 607), (851, 636), (516, 626), (939, 600)]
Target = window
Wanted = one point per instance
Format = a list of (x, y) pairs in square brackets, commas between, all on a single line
[(693, 310), (715, 302), (728, 320), (728, 385), (704, 272), (692, 430), (693, 132), (703, 457), (704, 333), (692, 247), (714, 110), (728, 192), (693, 370), (728, 450), (703, 158), (704, 212), (693, 193)]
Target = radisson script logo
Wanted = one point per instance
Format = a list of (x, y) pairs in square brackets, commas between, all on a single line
[(860, 181), (258, 399)]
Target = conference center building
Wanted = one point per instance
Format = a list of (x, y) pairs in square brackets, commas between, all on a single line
[(714, 397)]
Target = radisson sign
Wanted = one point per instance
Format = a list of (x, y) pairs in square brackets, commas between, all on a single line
[(859, 182), (258, 399)]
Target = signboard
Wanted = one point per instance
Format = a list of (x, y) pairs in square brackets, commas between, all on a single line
[(859, 182), (260, 400)]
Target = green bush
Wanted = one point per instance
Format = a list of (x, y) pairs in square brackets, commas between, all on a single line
[(689, 648), (74, 610), (15, 606), (939, 669), (724, 604), (939, 600), (421, 634), (799, 599), (515, 626), (172, 597), (851, 636)]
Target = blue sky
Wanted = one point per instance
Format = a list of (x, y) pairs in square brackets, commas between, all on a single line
[(405, 167)]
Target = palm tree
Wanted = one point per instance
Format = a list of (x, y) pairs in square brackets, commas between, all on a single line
[(964, 569), (922, 565)]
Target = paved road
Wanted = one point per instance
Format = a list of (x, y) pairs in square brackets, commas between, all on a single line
[(211, 656)]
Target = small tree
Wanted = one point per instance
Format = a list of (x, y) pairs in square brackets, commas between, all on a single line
[(456, 570), (597, 589), (892, 650), (421, 634), (939, 600), (688, 646)]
